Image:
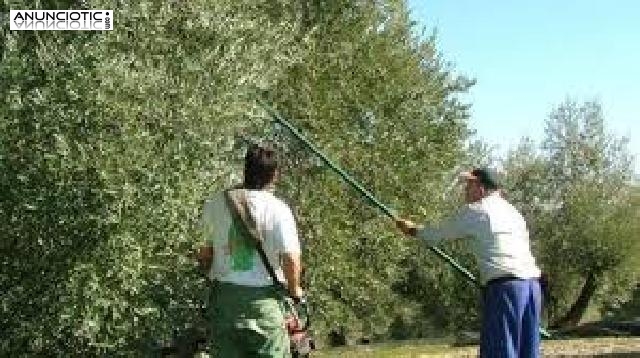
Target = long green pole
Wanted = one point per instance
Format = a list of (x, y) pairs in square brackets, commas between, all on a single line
[(349, 179), (377, 203)]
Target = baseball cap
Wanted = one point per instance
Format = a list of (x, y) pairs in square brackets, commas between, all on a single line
[(488, 177)]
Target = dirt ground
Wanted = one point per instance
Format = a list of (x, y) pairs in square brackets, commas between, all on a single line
[(582, 347), (593, 347)]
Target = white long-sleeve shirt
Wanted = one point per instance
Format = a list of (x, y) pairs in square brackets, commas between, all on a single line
[(500, 239)]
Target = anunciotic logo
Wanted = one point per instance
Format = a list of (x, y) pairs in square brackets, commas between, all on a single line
[(93, 20)]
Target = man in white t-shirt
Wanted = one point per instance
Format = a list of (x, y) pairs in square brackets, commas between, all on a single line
[(247, 312), (508, 270)]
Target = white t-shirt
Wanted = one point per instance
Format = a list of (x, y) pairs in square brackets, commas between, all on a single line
[(235, 258), (500, 239)]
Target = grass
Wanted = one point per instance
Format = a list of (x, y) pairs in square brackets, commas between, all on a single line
[(418, 348)]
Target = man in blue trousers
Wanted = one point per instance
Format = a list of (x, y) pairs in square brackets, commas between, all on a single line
[(500, 242)]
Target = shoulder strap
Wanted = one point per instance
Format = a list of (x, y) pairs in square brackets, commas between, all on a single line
[(237, 202)]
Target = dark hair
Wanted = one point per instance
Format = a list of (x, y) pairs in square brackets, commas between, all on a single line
[(260, 166), (487, 177)]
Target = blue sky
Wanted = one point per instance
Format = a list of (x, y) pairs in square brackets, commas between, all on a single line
[(528, 56)]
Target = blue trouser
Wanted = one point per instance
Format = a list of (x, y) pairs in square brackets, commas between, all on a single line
[(511, 319)]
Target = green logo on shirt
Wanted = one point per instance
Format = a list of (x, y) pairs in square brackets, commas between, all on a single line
[(241, 248)]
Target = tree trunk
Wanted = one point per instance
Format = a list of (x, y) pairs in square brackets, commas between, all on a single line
[(579, 307)]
